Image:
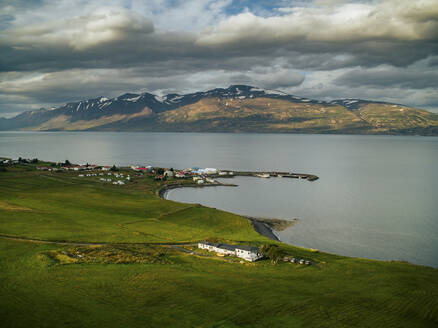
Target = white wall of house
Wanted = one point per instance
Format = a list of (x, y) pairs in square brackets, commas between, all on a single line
[(241, 253)]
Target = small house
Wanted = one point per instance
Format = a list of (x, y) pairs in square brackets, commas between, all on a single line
[(248, 253), (169, 174)]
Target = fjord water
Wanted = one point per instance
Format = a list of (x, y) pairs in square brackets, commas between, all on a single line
[(376, 196)]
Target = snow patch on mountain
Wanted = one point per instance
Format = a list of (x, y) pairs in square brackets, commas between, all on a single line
[(160, 99), (176, 98), (133, 99), (275, 92)]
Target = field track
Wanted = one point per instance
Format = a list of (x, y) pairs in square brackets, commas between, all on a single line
[(72, 243)]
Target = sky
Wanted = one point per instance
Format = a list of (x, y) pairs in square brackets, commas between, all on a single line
[(58, 51)]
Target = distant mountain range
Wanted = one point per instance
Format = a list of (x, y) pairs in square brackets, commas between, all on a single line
[(239, 108)]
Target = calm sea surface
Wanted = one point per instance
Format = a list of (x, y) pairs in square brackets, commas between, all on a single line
[(377, 196)]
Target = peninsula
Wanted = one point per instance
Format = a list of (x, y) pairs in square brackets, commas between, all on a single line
[(106, 250)]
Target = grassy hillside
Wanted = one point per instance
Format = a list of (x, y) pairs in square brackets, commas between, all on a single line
[(63, 206), (44, 285)]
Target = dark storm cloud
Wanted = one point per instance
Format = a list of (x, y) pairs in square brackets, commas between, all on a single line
[(109, 38), (54, 52), (390, 77)]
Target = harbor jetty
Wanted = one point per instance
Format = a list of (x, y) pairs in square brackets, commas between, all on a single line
[(308, 177), (229, 174)]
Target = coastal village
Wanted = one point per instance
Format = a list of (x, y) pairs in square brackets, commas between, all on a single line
[(122, 175), (197, 174)]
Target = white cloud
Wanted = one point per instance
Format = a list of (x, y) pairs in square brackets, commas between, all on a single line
[(398, 20), (101, 26), (57, 51)]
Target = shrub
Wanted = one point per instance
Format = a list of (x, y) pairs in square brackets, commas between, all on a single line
[(272, 252)]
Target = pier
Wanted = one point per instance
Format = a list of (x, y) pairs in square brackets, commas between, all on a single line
[(308, 177)]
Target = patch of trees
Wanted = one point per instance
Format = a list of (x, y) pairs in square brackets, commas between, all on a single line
[(272, 252)]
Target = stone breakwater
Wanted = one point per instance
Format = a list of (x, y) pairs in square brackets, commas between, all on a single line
[(309, 177)]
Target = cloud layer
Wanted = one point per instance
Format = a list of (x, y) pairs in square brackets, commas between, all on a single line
[(52, 52)]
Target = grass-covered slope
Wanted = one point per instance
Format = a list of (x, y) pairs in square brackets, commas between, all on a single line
[(63, 206), (42, 285), (201, 292)]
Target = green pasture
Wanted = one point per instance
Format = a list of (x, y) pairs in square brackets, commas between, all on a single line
[(133, 285)]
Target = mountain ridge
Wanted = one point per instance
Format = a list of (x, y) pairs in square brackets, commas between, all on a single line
[(238, 108)]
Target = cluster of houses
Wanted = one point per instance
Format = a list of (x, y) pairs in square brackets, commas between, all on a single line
[(51, 169), (74, 168), (8, 161), (119, 176), (86, 167), (196, 171), (199, 175), (248, 253), (91, 171)]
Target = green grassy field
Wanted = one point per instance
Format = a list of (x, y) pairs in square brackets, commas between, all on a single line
[(63, 206), (158, 286)]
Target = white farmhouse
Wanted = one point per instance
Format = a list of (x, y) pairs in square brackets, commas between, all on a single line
[(245, 252)]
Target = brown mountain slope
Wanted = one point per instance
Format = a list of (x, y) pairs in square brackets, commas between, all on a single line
[(264, 114), (238, 108), (384, 117)]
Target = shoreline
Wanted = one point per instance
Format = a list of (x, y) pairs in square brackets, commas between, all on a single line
[(263, 226), (263, 229), (164, 189)]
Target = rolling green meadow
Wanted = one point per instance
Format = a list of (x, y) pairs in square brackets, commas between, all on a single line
[(129, 275)]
